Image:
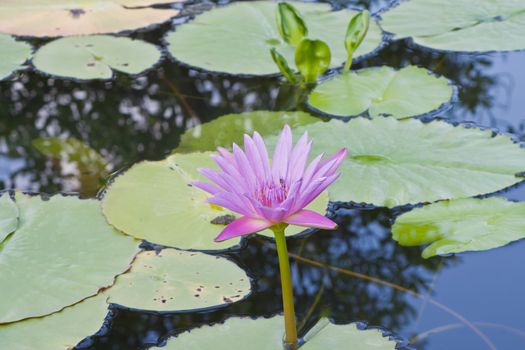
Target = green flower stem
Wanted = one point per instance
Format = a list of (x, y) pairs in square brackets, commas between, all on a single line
[(348, 62), (286, 286)]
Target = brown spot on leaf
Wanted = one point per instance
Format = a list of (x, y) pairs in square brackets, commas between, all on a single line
[(223, 220), (76, 13)]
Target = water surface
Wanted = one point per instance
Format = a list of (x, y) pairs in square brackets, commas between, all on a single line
[(133, 119)]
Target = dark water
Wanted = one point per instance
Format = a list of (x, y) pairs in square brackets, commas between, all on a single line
[(127, 120)]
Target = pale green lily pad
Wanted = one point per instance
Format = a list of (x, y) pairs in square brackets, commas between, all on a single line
[(62, 252), (175, 280), (50, 18), (382, 91), (461, 225), (230, 128), (190, 164), (174, 275), (237, 38), (13, 55), (267, 334), (8, 216), (394, 162), (460, 25), (95, 57), (154, 201), (59, 331)]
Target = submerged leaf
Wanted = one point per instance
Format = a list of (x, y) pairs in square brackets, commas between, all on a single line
[(59, 331), (95, 57), (8, 216), (236, 38), (177, 281), (312, 58), (290, 24), (90, 168), (13, 54), (392, 162), (408, 92), (460, 25), (461, 225), (267, 334), (71, 150), (50, 18), (62, 252)]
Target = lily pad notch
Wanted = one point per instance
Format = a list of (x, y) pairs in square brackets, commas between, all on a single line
[(166, 281), (458, 25), (266, 334), (44, 242), (236, 38), (461, 225), (172, 281), (13, 55), (54, 18), (410, 92), (394, 162), (96, 57)]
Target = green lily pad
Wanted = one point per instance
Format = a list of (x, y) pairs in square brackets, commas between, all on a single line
[(267, 334), (382, 91), (153, 201), (460, 25), (59, 331), (175, 280), (230, 128), (13, 55), (8, 216), (177, 276), (62, 252), (190, 164), (95, 57), (461, 225), (50, 18), (237, 38), (394, 162)]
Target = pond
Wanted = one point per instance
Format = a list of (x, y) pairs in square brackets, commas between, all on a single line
[(470, 300)]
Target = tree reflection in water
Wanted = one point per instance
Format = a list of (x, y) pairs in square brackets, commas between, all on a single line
[(127, 120)]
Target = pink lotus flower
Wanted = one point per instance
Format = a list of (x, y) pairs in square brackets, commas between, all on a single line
[(265, 193)]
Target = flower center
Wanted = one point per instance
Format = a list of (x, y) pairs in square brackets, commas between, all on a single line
[(270, 194)]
